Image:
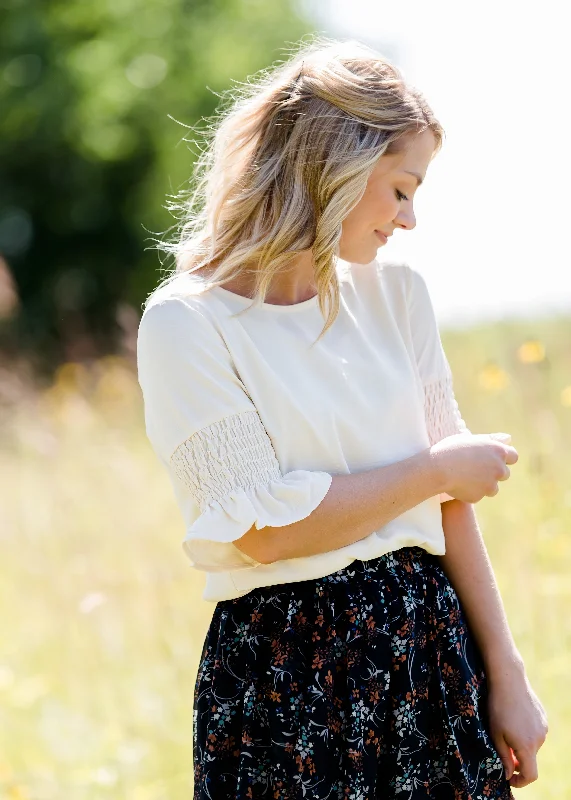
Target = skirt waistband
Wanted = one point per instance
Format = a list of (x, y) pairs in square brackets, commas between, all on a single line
[(405, 562)]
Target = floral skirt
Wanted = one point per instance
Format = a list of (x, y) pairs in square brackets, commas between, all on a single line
[(365, 684)]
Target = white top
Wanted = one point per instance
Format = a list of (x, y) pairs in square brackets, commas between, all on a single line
[(251, 422)]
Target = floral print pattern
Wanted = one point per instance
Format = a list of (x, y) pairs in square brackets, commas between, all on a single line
[(361, 685)]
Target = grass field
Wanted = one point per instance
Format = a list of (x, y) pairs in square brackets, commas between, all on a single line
[(101, 615)]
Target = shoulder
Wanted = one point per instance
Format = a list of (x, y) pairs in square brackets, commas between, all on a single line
[(404, 279), (390, 279), (176, 313), (417, 292), (181, 287), (401, 275), (400, 285)]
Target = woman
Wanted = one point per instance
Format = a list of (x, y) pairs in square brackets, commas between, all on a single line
[(358, 646)]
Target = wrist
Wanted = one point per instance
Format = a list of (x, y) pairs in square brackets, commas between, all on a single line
[(504, 667), (435, 465)]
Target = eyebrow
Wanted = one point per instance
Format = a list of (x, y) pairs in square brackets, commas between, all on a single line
[(416, 175)]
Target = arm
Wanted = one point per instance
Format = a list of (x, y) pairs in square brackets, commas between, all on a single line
[(205, 428), (517, 719), (239, 509), (468, 567), (354, 506)]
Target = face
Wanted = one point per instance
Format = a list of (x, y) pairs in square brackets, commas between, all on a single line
[(388, 200)]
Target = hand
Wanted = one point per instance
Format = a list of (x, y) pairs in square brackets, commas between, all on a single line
[(518, 726), (470, 465)]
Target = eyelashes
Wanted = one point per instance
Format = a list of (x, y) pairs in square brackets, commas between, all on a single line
[(400, 195)]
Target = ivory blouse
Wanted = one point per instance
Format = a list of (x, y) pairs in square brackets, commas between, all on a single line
[(251, 421)]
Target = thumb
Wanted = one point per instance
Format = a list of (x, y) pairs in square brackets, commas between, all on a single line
[(502, 437), (506, 754)]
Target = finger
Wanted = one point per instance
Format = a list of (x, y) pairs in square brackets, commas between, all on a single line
[(506, 475), (511, 455), (527, 769), (506, 754)]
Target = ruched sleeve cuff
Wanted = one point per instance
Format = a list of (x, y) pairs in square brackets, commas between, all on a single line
[(442, 414), (232, 475), (209, 540), (206, 429)]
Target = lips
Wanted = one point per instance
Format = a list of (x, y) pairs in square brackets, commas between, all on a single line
[(383, 237)]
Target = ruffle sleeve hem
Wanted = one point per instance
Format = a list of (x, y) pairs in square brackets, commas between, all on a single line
[(209, 541)]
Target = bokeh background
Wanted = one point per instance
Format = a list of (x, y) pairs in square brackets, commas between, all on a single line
[(101, 617)]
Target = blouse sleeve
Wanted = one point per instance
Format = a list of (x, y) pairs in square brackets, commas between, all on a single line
[(204, 427), (441, 411)]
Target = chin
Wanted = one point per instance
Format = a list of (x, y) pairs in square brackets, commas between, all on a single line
[(360, 256)]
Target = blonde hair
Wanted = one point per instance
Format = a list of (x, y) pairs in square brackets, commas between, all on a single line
[(288, 160)]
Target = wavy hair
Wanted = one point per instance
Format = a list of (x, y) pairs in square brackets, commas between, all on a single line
[(287, 160)]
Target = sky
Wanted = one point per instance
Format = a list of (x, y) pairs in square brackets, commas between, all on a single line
[(492, 218)]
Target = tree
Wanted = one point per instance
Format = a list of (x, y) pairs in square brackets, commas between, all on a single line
[(88, 153)]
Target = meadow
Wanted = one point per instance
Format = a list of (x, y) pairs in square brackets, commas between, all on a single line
[(101, 615)]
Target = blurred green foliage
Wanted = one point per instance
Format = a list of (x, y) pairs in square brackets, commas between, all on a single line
[(88, 153)]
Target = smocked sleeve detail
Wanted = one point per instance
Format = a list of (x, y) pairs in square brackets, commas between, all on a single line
[(442, 414), (232, 453), (441, 410), (233, 475), (204, 426)]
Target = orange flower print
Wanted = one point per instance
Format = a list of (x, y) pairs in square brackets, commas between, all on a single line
[(402, 694)]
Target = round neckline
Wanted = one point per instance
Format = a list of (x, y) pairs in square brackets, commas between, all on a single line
[(247, 301), (244, 302)]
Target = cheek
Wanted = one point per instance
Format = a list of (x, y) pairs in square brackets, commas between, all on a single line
[(385, 199), (378, 202), (363, 214), (377, 206), (353, 230), (351, 223)]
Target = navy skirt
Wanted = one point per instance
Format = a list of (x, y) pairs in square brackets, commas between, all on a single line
[(365, 684)]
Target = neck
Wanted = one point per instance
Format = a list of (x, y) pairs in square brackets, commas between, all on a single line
[(293, 286)]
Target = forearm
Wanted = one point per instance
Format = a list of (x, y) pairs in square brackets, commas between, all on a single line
[(355, 505), (468, 567)]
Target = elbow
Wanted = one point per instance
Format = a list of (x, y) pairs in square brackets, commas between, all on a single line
[(453, 502), (257, 544), (457, 514)]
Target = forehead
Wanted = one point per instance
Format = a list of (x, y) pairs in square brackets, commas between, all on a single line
[(414, 157)]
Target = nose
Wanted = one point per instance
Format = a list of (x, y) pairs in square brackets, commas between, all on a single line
[(406, 219)]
